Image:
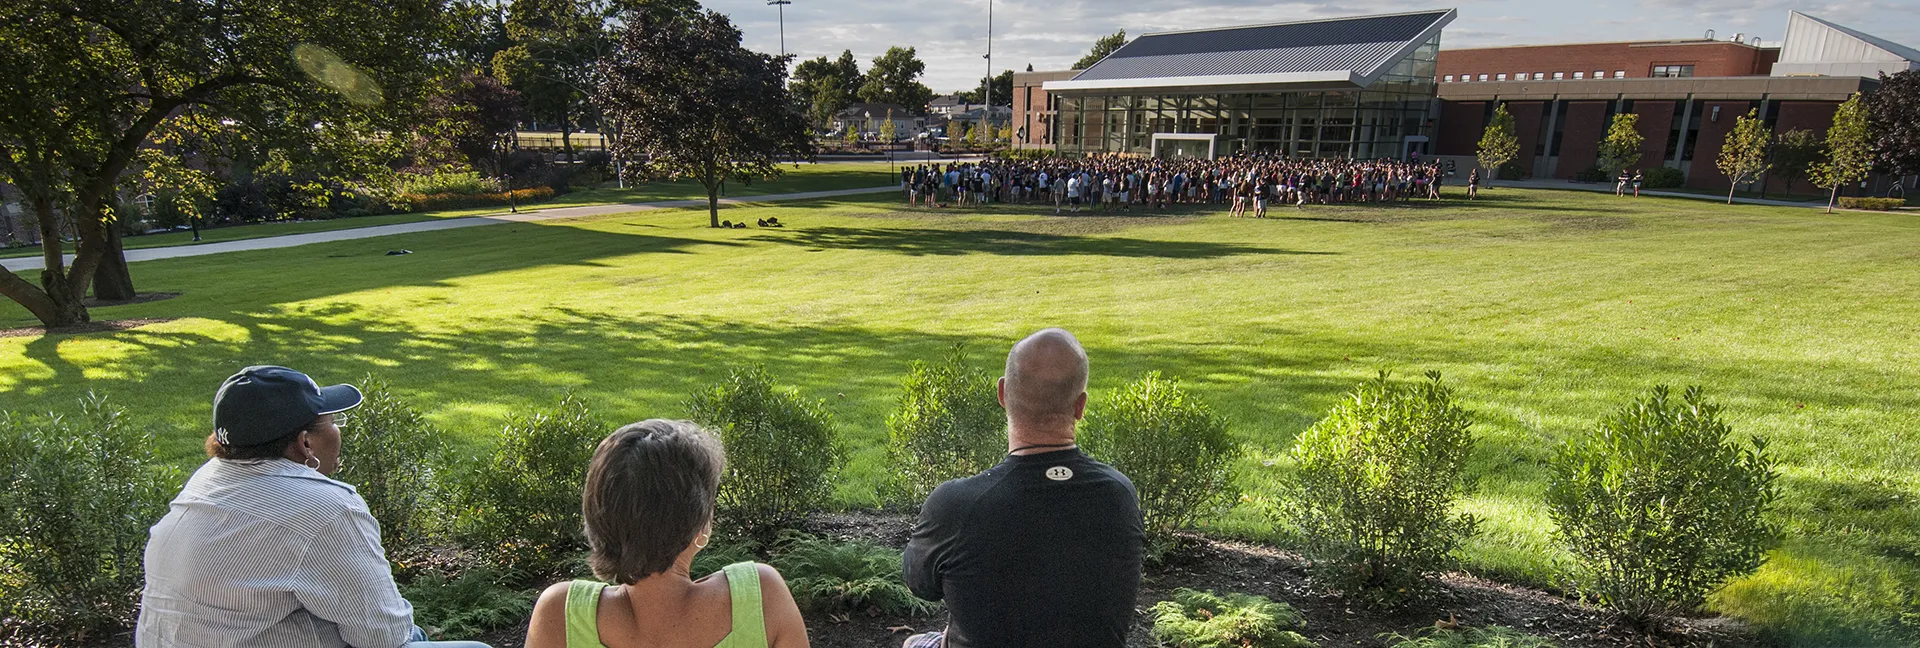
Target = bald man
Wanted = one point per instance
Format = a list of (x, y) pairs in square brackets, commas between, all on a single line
[(1042, 550)]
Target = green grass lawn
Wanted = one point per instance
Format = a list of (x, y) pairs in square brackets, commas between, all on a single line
[(1545, 309), (811, 177)]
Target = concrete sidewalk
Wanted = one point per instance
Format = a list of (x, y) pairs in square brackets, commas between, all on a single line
[(1607, 188), (291, 240)]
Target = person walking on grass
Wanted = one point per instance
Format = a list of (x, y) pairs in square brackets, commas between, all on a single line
[(1044, 549), (648, 507), (261, 548), (1636, 184), (1620, 183), (1473, 184)]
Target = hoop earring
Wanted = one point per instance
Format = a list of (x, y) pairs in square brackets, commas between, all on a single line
[(313, 462), (700, 541)]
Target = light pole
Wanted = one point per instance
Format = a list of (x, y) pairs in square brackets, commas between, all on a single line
[(782, 4), (986, 114)]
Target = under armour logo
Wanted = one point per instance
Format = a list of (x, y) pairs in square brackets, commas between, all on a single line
[(1059, 473)]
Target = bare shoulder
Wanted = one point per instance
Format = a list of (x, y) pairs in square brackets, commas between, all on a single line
[(548, 627)]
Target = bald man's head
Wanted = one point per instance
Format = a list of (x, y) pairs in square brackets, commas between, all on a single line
[(1046, 381)]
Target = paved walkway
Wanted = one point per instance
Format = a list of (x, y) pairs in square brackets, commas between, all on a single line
[(291, 240), (1607, 188)]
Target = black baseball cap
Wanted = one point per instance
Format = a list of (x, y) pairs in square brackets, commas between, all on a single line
[(264, 403)]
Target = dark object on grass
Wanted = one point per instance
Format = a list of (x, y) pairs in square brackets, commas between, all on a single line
[(762, 222), (774, 222), (740, 225), (398, 252), (726, 224)]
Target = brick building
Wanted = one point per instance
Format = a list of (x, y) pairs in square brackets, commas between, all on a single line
[(1687, 94)]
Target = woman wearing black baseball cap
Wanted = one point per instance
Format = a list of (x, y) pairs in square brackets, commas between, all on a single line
[(261, 548)]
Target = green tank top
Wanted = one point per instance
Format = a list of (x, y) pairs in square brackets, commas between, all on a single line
[(743, 583)]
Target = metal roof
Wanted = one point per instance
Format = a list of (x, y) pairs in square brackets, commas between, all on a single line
[(1349, 51)]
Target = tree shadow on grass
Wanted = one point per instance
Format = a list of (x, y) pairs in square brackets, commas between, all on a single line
[(954, 242)]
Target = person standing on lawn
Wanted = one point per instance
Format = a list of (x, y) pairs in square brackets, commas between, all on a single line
[(1044, 549), (261, 549)]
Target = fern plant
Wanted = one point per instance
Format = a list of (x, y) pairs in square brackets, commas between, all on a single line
[(1196, 619), (829, 576), (1487, 637), (476, 602)]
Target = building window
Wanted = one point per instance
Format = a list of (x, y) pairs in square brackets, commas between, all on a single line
[(1579, 75), (1559, 75), (1672, 71), (1483, 76), (1619, 74), (1449, 78), (1500, 77), (1599, 74), (1539, 76)]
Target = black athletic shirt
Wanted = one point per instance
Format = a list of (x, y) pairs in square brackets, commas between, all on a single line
[(1042, 550)]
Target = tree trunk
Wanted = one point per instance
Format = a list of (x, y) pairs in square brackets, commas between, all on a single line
[(112, 281), (1730, 188), (1831, 197), (713, 204)]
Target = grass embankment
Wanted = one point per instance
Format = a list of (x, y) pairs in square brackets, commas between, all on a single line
[(805, 178), (1547, 310)]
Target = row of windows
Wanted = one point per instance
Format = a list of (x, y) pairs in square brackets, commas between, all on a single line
[(1540, 76), (1669, 71)]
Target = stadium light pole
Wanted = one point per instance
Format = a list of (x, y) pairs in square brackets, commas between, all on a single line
[(986, 114), (782, 4)]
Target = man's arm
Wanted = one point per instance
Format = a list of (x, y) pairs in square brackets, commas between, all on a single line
[(344, 579), (927, 548)]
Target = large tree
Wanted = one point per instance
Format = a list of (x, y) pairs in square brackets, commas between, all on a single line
[(895, 78), (827, 85), (1498, 144), (1002, 90), (1744, 157), (468, 117), (1893, 120), (695, 104), (1101, 48), (554, 60), (86, 84)]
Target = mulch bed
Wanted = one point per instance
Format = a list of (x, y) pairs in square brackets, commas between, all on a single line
[(1224, 566)]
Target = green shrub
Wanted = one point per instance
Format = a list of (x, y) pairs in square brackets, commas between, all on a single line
[(1659, 508), (782, 450), (1662, 178), (1179, 453), (1376, 484), (438, 202), (948, 425), (1593, 174), (77, 496), (445, 181), (1875, 204), (521, 509), (479, 601), (829, 576), (1512, 171), (1196, 619), (389, 452), (1488, 637)]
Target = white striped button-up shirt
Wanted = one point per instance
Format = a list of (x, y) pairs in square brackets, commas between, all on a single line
[(269, 554)]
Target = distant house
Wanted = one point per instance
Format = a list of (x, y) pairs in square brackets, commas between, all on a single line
[(868, 118)]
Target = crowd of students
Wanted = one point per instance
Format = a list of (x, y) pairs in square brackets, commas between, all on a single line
[(1248, 183)]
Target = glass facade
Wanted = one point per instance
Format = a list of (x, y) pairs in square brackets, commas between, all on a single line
[(1370, 123)]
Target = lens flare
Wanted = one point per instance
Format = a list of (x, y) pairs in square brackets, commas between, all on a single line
[(334, 72)]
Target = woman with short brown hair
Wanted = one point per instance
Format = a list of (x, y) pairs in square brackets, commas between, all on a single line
[(648, 508)]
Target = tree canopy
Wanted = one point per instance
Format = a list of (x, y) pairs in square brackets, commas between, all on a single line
[(1744, 156), (1620, 149), (87, 84), (695, 104), (1499, 143), (1893, 117), (1101, 48), (827, 85), (895, 78), (1002, 90), (1849, 150)]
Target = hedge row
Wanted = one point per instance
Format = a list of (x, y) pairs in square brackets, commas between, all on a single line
[(1875, 204), (1658, 505), (443, 201)]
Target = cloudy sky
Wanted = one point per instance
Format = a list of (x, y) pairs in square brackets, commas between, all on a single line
[(1052, 34)]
